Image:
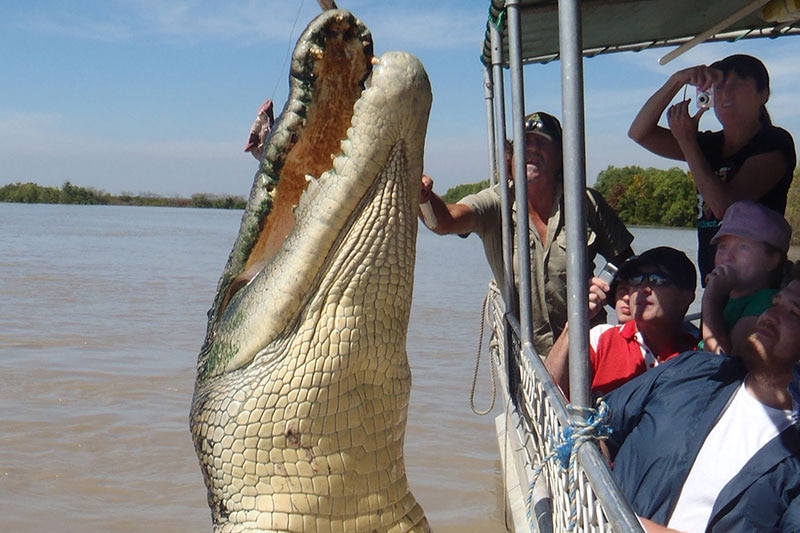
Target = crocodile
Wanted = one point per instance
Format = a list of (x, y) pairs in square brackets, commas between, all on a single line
[(301, 395)]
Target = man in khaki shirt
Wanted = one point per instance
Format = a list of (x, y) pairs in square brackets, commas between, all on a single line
[(480, 213)]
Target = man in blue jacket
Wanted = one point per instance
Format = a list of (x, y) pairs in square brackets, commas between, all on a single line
[(709, 442)]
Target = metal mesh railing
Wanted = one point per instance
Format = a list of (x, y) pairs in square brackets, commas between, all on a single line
[(576, 479)]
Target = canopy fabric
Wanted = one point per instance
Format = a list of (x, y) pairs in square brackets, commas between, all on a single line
[(616, 25)]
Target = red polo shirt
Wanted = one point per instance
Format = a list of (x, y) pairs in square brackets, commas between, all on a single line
[(621, 354)]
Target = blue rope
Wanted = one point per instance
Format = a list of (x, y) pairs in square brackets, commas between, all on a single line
[(593, 426)]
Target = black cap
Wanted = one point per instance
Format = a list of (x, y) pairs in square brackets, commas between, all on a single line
[(666, 260), (545, 125)]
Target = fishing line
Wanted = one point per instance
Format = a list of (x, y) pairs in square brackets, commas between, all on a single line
[(289, 49)]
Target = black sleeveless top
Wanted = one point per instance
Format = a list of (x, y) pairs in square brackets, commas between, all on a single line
[(768, 139)]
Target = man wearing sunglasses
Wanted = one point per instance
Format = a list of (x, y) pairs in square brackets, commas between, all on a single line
[(662, 283), (606, 235)]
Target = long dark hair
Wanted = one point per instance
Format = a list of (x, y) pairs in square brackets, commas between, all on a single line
[(746, 66)]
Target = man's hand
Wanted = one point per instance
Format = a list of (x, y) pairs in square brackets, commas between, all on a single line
[(598, 296), (426, 188)]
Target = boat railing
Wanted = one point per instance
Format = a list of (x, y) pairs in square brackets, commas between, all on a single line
[(556, 477)]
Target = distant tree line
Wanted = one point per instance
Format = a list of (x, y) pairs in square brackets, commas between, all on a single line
[(31, 193), (641, 196), (652, 196), (454, 194)]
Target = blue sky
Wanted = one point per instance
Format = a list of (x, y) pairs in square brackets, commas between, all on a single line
[(157, 96)]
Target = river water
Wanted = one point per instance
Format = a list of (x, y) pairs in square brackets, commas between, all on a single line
[(103, 313)]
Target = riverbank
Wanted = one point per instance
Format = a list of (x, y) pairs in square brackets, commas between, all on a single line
[(69, 194)]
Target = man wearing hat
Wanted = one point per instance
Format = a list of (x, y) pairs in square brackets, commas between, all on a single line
[(662, 284), (480, 213), (751, 247)]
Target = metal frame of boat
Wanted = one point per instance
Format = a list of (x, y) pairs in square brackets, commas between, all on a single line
[(553, 482)]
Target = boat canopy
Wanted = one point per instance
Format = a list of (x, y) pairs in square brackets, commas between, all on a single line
[(625, 25)]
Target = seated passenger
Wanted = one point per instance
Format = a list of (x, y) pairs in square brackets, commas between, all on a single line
[(710, 443), (662, 283), (621, 291), (748, 267)]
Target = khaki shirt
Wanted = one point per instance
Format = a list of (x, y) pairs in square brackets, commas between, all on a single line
[(605, 235)]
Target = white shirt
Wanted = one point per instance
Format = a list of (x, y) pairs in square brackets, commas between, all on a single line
[(743, 428)]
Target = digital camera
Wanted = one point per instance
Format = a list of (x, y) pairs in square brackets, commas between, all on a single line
[(608, 273), (705, 99)]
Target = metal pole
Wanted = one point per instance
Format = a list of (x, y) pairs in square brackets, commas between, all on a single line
[(521, 193), (488, 95), (508, 291), (571, 46)]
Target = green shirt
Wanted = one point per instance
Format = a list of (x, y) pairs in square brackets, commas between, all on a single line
[(750, 305), (605, 235)]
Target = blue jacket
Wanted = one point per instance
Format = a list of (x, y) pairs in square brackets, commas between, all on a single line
[(659, 422)]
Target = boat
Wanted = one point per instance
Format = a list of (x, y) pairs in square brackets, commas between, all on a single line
[(555, 477)]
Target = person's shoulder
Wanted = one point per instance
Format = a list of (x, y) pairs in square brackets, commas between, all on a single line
[(492, 191), (698, 363), (600, 331), (777, 131), (775, 136), (488, 195), (759, 295)]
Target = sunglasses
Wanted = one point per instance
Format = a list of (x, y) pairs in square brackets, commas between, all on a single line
[(534, 123), (651, 279)]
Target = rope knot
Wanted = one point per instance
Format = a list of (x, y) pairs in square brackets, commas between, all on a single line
[(591, 424)]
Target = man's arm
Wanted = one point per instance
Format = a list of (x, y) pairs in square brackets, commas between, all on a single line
[(449, 218), (557, 361)]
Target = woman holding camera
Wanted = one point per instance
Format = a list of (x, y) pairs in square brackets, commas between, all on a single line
[(749, 159)]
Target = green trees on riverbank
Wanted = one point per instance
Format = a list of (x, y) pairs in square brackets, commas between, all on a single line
[(31, 193), (668, 197), (651, 196), (641, 196)]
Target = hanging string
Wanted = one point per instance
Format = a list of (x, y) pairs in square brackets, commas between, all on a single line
[(493, 346), (289, 49)]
